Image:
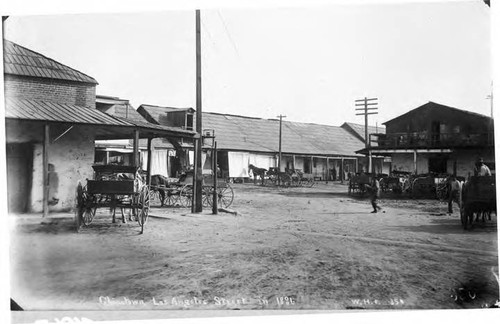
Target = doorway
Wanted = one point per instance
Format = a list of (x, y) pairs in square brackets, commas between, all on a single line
[(19, 174)]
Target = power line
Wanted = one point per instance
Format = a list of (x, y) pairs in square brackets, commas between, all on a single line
[(228, 34)]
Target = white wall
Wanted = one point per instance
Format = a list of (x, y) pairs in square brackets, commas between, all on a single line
[(404, 162), (72, 156)]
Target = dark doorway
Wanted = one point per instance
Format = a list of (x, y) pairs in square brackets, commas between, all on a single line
[(438, 164), (307, 165), (19, 173)]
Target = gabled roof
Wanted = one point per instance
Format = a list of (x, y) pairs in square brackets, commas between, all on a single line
[(432, 105), (152, 113), (117, 107), (262, 135), (359, 130), (19, 60), (242, 133)]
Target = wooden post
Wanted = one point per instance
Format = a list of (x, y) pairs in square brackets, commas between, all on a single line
[(415, 161), (215, 197), (136, 149), (327, 169), (150, 162), (312, 167), (370, 162), (341, 170), (279, 155), (46, 143), (198, 171)]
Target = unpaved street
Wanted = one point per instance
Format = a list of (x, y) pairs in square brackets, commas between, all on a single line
[(291, 248)]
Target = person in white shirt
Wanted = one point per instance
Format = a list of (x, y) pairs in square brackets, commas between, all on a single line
[(481, 169)]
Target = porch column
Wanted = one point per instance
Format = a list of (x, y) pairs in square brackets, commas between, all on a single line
[(45, 162), (312, 166), (150, 158), (341, 170), (415, 161), (370, 162), (293, 157), (327, 169), (136, 148)]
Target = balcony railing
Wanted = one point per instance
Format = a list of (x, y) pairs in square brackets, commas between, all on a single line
[(426, 140)]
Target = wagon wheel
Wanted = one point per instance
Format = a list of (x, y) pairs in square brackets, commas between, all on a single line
[(89, 210), (85, 207), (207, 193), (143, 206), (285, 180), (310, 182), (225, 196), (186, 196), (171, 198)]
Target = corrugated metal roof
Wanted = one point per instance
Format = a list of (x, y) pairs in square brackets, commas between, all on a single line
[(36, 110), (262, 135), (19, 60), (56, 112)]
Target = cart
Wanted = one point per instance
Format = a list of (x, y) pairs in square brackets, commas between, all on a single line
[(358, 182), (166, 191), (225, 193), (113, 186), (478, 198)]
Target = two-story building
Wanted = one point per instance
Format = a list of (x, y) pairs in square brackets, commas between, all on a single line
[(435, 138)]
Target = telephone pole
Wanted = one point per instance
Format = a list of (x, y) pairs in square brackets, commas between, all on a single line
[(369, 107), (279, 155), (198, 176)]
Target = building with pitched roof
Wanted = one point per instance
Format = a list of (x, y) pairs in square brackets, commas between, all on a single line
[(51, 124), (320, 150), (435, 138)]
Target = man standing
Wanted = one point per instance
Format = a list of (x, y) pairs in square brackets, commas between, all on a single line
[(481, 169), (453, 193), (374, 189)]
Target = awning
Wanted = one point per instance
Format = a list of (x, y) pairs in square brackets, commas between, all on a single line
[(386, 151), (106, 126)]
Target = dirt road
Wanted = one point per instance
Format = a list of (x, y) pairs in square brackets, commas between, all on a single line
[(293, 248)]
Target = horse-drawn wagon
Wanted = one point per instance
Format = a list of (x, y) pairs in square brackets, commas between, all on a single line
[(478, 198), (113, 186), (180, 191)]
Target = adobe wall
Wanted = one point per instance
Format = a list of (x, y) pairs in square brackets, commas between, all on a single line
[(72, 157)]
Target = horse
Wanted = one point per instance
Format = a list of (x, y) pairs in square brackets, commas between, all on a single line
[(257, 172), (159, 183)]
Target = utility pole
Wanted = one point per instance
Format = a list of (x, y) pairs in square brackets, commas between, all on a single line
[(368, 108), (490, 97), (279, 156), (198, 176)]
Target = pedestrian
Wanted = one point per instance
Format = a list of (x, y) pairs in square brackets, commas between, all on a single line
[(374, 189), (481, 169), (453, 193)]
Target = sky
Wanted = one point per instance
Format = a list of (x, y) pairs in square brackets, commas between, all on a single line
[(307, 62)]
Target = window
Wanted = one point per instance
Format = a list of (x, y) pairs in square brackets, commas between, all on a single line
[(189, 122)]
